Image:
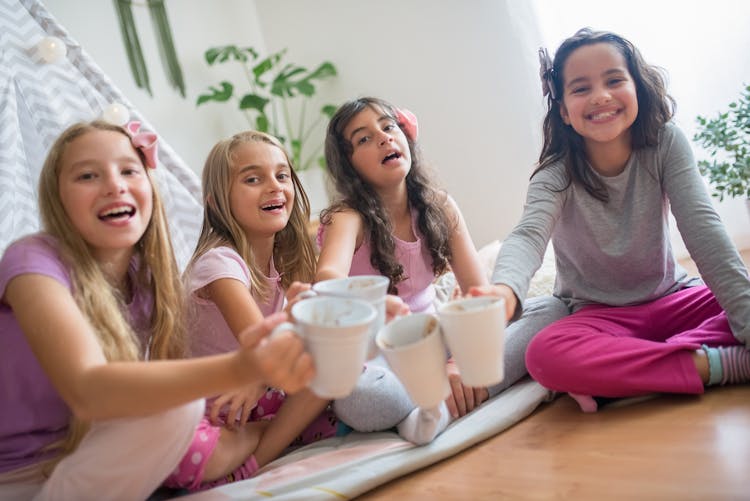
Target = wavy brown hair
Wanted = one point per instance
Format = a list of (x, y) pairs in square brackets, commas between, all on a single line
[(100, 302), (655, 109), (293, 253), (429, 202)]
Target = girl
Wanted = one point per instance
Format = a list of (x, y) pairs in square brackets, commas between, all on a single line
[(81, 306), (391, 220), (253, 245), (611, 165)]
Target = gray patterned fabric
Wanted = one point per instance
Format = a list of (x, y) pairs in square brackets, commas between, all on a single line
[(39, 100)]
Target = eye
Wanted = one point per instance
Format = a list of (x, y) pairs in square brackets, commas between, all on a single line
[(361, 140), (283, 176), (85, 176), (389, 127), (579, 90), (251, 180), (616, 80), (130, 171)]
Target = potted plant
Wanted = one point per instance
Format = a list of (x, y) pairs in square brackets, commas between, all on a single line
[(726, 138), (275, 99)]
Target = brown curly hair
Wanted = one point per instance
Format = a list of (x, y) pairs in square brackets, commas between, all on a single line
[(429, 202)]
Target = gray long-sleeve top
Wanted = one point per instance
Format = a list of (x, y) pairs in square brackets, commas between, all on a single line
[(619, 253)]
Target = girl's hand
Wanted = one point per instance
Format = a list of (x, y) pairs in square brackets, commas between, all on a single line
[(395, 307), (293, 295), (463, 399), (498, 290), (280, 360), (241, 402)]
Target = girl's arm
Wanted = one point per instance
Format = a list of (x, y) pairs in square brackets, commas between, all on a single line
[(465, 261), (70, 354), (343, 235), (236, 304)]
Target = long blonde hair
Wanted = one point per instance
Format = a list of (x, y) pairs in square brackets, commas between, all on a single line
[(293, 253), (98, 300)]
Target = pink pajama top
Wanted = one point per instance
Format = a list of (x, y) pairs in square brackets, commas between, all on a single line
[(417, 289), (208, 332)]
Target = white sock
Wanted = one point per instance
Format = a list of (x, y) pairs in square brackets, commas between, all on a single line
[(421, 426)]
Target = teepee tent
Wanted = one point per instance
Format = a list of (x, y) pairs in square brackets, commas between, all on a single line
[(38, 100)]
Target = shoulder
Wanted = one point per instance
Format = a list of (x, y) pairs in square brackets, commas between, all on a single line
[(671, 136), (38, 254), (553, 177), (216, 263), (343, 221)]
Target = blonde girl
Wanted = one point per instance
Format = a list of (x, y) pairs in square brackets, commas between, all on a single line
[(82, 305), (253, 256)]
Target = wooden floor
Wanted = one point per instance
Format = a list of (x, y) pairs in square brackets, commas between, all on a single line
[(670, 447)]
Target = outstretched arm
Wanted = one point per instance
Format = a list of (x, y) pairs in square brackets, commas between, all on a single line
[(342, 237), (69, 352)]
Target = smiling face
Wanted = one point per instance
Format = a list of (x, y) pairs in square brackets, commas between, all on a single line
[(262, 193), (380, 150), (599, 95), (105, 191)]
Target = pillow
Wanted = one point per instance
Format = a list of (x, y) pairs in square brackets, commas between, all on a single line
[(541, 284)]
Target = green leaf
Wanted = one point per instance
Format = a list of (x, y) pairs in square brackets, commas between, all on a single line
[(253, 102), (328, 110), (325, 70), (218, 95), (226, 53), (261, 123), (266, 65)]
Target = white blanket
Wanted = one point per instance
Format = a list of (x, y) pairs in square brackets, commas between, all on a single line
[(345, 467)]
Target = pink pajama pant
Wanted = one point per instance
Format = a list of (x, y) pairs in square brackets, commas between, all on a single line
[(628, 351)]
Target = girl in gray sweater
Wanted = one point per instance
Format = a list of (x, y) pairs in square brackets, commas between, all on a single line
[(611, 167)]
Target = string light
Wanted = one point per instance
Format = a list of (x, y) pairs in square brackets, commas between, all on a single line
[(51, 49)]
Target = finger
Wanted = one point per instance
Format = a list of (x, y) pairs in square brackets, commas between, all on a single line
[(213, 416), (458, 395), (245, 416), (469, 394), (253, 334)]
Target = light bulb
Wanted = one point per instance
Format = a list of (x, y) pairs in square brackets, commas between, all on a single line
[(51, 49), (116, 113)]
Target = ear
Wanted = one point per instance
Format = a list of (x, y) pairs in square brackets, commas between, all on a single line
[(564, 113)]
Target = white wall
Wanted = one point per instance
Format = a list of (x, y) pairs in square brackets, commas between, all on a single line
[(196, 26), (467, 68)]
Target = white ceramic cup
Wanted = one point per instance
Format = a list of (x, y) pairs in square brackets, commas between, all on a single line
[(371, 288), (474, 330), (414, 349), (335, 332)]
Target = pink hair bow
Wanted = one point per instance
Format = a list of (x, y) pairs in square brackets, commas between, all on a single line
[(143, 141), (408, 122)]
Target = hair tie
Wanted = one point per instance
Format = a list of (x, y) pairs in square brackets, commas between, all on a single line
[(547, 74), (408, 122), (145, 142)]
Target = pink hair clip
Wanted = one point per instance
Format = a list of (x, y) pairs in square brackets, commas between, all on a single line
[(143, 141), (408, 122)]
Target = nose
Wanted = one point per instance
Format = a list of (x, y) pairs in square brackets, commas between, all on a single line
[(385, 138), (601, 96), (274, 184), (115, 184)]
